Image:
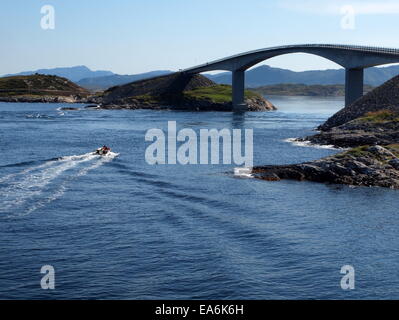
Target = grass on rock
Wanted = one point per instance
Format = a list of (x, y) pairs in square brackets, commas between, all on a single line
[(217, 94), (380, 116)]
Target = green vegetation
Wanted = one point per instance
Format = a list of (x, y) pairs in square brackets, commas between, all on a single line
[(216, 94), (147, 98), (38, 85), (358, 151), (362, 151), (380, 116), (290, 89)]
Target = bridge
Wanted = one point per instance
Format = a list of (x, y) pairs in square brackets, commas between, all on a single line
[(353, 58)]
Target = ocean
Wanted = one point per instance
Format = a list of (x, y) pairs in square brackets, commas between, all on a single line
[(120, 228)]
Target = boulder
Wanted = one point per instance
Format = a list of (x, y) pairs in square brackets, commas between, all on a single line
[(380, 151), (394, 163)]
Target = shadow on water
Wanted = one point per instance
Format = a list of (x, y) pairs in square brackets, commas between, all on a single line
[(238, 120)]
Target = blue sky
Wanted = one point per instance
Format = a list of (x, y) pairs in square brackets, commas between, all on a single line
[(134, 36)]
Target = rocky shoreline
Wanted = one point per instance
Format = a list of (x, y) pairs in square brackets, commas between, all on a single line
[(45, 99), (254, 104), (363, 166), (357, 133), (370, 127)]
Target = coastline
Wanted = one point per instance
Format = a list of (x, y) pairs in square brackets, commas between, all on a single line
[(46, 99), (364, 166)]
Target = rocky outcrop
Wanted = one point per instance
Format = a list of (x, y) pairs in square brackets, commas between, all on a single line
[(41, 88), (45, 99), (363, 166), (254, 104), (373, 119), (358, 132), (385, 97), (371, 127), (177, 92), (69, 109), (167, 87)]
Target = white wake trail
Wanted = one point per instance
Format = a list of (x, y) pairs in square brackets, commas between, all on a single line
[(21, 190), (63, 187), (13, 175)]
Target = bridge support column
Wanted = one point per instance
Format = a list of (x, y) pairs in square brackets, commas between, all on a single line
[(238, 91), (353, 85)]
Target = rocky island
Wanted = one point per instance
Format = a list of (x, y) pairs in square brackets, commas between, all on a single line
[(370, 127), (41, 88), (178, 92)]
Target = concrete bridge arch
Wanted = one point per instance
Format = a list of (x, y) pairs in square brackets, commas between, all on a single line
[(353, 58)]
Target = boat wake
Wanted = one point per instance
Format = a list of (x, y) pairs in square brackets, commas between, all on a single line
[(26, 191)]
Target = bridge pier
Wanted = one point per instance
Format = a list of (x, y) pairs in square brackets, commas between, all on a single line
[(239, 91), (354, 80)]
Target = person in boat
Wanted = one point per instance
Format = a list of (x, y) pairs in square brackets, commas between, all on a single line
[(103, 150)]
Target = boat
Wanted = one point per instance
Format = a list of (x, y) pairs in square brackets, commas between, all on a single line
[(103, 151)]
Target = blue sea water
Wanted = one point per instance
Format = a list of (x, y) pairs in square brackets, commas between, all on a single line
[(119, 228)]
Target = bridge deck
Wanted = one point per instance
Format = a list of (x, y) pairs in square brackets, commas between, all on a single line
[(369, 50)]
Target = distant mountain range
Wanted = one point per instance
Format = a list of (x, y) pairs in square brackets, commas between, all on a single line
[(261, 76), (93, 80), (297, 89), (71, 73), (266, 75), (102, 83)]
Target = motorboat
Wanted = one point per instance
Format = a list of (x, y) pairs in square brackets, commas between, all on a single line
[(103, 151)]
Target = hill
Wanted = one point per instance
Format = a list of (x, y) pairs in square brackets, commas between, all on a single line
[(40, 88), (72, 73), (177, 91), (266, 75), (385, 97)]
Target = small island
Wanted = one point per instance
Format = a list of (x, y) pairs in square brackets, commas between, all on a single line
[(41, 88), (178, 92)]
